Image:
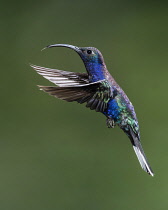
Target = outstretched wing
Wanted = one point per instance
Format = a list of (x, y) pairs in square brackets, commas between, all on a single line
[(96, 95), (62, 78), (74, 86)]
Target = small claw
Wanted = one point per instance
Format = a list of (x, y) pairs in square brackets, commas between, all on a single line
[(110, 123)]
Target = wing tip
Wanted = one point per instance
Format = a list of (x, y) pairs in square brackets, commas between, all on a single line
[(31, 65), (42, 87), (35, 66)]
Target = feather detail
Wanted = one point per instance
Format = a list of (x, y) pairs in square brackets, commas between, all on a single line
[(140, 152), (92, 94), (62, 78)]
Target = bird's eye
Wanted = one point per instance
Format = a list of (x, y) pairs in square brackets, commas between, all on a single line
[(89, 51)]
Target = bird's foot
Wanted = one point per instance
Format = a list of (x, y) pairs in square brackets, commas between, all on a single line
[(110, 123)]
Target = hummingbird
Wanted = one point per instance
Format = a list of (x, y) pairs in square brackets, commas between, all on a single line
[(98, 89)]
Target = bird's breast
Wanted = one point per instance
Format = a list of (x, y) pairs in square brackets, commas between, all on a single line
[(95, 71), (113, 110)]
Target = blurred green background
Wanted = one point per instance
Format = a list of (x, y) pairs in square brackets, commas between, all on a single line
[(59, 155)]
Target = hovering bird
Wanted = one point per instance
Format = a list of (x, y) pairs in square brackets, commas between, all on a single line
[(98, 89)]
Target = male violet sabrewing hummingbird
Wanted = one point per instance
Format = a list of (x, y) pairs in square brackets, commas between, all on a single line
[(98, 89)]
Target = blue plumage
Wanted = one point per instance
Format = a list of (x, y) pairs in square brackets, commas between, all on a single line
[(95, 72), (113, 111)]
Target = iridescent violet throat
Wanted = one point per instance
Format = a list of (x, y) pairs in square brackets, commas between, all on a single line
[(98, 89)]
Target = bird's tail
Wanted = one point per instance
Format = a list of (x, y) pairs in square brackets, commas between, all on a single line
[(140, 153)]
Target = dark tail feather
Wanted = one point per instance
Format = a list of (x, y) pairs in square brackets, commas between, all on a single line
[(140, 153)]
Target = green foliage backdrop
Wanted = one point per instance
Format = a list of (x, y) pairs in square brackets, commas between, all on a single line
[(58, 155)]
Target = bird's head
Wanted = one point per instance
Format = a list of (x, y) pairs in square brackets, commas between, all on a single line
[(88, 54), (91, 54), (91, 57)]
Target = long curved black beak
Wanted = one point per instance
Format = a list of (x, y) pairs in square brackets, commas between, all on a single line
[(77, 49)]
